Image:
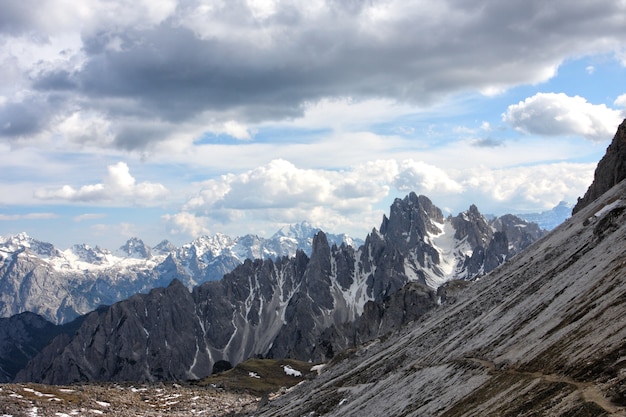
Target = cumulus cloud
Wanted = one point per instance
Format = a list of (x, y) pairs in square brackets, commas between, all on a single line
[(282, 185), (281, 192), (237, 130), (258, 61), (186, 223), (529, 187), (350, 200), (424, 178), (555, 114), (118, 185), (621, 101)]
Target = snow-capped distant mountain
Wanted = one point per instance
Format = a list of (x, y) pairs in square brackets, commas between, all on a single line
[(135, 248), (60, 285), (549, 219)]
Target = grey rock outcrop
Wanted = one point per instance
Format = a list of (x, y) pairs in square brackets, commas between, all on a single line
[(610, 170)]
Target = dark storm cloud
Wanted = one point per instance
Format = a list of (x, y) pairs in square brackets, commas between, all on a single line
[(24, 118), (266, 70), (54, 80), (17, 17), (176, 75)]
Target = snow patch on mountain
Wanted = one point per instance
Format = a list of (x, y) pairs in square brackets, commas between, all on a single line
[(451, 251)]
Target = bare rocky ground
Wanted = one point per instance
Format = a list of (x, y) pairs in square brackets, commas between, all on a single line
[(148, 400)]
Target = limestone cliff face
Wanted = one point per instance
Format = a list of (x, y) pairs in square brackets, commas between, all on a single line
[(610, 170)]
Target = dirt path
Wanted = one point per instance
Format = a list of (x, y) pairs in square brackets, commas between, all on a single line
[(588, 390)]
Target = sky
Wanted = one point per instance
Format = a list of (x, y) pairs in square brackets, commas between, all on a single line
[(173, 119)]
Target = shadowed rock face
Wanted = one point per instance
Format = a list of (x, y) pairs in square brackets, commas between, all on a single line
[(22, 337), (543, 334), (610, 170), (280, 308)]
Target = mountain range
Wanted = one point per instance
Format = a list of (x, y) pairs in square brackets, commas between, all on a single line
[(305, 306), (60, 285)]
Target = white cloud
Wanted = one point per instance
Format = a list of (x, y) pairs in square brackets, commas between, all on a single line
[(354, 200), (237, 130), (553, 114), (280, 192), (423, 178), (186, 223), (82, 128), (621, 101), (342, 113), (528, 187), (118, 186)]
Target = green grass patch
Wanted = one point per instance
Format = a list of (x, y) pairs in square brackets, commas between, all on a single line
[(260, 376)]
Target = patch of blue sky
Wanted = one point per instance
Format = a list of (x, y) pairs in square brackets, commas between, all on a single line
[(265, 134), (211, 138), (592, 78), (65, 225)]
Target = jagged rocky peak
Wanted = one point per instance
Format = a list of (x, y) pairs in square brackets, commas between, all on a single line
[(520, 233), (412, 218), (23, 241), (135, 248), (86, 253), (610, 170), (165, 247), (472, 226), (296, 231)]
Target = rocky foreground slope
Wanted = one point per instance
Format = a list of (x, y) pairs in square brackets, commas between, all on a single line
[(543, 334)]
